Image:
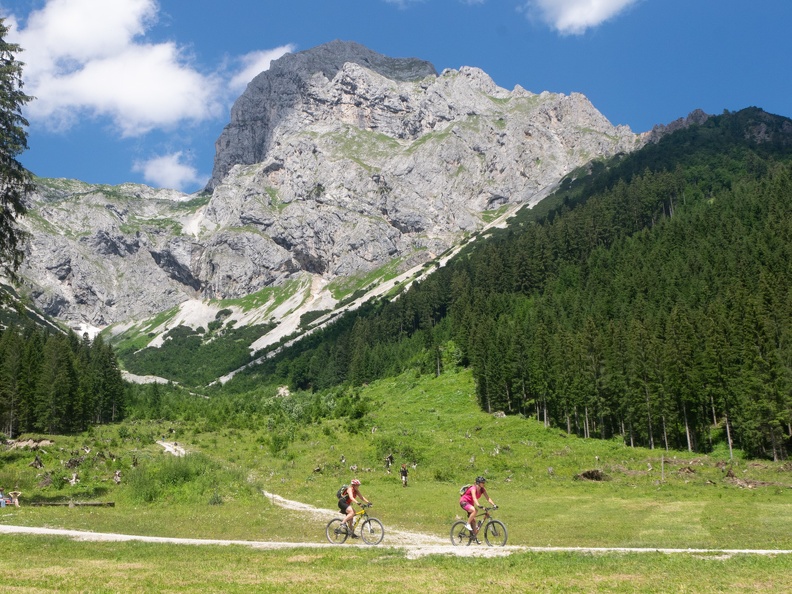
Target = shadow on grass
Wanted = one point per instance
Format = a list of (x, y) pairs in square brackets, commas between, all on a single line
[(77, 495)]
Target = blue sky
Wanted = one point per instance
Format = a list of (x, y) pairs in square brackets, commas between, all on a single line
[(139, 90)]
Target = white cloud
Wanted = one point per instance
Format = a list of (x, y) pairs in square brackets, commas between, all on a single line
[(574, 17), (170, 171), (255, 63), (89, 58), (142, 88)]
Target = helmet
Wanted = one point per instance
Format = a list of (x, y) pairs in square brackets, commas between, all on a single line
[(480, 479), (355, 482)]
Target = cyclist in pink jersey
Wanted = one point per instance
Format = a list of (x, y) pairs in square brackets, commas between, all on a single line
[(470, 502)]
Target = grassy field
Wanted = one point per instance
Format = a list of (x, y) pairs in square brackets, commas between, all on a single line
[(650, 498), (59, 565)]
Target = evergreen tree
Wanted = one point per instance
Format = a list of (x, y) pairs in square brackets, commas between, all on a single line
[(10, 360), (56, 388), (15, 180), (28, 379)]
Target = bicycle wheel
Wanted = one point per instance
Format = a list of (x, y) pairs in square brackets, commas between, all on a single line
[(459, 534), (372, 531), (336, 531), (495, 533)]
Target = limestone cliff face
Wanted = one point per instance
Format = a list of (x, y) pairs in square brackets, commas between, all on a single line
[(336, 161), (280, 92)]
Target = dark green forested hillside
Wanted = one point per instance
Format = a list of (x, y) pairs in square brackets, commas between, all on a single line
[(649, 299), (56, 383)]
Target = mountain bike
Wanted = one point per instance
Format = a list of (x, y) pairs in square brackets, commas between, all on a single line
[(494, 531), (371, 529)]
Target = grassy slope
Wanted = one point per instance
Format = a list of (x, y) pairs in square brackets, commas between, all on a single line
[(454, 441)]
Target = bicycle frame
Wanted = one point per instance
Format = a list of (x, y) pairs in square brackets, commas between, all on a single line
[(371, 529), (359, 515), (487, 516)]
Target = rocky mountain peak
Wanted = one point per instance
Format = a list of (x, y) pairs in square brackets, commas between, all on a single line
[(330, 57), (338, 163), (275, 92)]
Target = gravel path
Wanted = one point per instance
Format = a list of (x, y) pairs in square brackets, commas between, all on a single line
[(415, 544), (392, 539)]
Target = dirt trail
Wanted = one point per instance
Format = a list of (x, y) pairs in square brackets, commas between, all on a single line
[(415, 544)]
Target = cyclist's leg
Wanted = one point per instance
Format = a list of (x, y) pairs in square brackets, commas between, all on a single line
[(471, 511), (348, 511), (354, 521)]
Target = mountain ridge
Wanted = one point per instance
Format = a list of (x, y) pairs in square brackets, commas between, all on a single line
[(368, 178)]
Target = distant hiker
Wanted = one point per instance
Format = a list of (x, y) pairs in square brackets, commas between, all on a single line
[(15, 496), (470, 502), (403, 473), (348, 496), (2, 497), (388, 462)]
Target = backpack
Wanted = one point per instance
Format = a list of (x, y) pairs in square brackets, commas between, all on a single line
[(464, 489), (340, 492)]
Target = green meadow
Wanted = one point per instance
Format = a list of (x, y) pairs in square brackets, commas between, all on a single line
[(645, 498)]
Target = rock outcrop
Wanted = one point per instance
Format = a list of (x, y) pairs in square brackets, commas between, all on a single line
[(283, 89), (695, 117)]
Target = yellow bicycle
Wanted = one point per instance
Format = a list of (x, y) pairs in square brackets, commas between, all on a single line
[(371, 530)]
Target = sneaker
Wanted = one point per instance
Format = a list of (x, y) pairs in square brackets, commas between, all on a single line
[(467, 527), (353, 535), (478, 541)]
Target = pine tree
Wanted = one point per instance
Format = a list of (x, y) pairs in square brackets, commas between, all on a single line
[(10, 360), (29, 371), (15, 180)]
